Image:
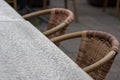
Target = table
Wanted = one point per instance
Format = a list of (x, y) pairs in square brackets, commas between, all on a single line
[(26, 54), (7, 13)]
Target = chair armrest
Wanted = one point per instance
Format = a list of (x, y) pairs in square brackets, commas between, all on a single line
[(55, 29), (37, 13), (67, 36)]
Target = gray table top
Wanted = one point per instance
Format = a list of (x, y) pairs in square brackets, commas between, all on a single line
[(26, 54)]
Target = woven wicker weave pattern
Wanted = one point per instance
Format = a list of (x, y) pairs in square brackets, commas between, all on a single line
[(97, 51), (57, 17), (94, 46)]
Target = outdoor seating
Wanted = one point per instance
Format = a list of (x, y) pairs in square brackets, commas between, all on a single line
[(117, 6), (59, 20), (14, 2), (26, 54), (97, 51), (66, 6)]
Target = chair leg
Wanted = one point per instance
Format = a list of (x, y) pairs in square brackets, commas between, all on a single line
[(117, 8), (105, 5), (15, 4), (66, 4), (75, 10), (44, 4)]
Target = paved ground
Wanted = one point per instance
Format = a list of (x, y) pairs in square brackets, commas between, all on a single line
[(90, 18)]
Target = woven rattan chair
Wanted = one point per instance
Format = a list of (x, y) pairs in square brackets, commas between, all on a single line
[(14, 2), (117, 6), (59, 20), (74, 2), (97, 51)]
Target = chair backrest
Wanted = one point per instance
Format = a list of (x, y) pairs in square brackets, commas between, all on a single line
[(57, 17), (60, 18), (94, 46), (97, 51)]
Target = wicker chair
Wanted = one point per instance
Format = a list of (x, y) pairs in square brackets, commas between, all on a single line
[(117, 6), (97, 51), (59, 20), (14, 3), (66, 6)]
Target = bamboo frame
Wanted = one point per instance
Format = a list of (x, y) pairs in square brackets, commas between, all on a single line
[(60, 26)]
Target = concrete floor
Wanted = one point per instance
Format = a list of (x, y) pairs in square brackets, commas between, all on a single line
[(90, 18)]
